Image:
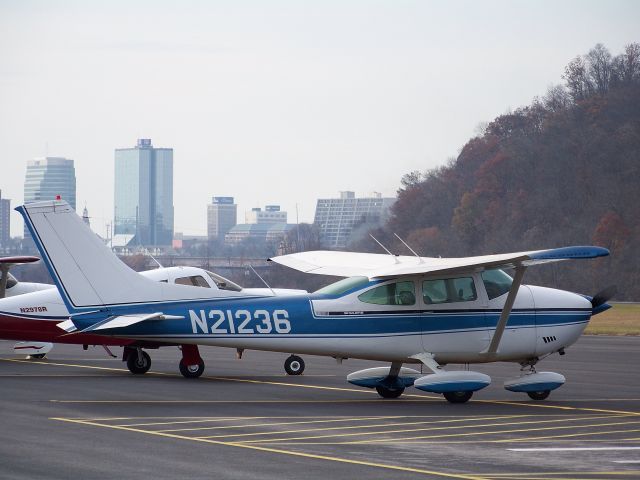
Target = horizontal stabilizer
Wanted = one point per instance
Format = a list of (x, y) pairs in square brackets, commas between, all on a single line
[(374, 265), (122, 321), (18, 260), (67, 326)]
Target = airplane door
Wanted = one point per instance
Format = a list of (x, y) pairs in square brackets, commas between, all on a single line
[(454, 320)]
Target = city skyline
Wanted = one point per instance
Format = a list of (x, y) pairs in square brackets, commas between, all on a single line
[(280, 102)]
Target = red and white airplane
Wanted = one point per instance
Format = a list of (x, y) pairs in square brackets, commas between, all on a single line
[(31, 312)]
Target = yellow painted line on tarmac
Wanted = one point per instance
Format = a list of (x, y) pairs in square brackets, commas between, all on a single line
[(349, 427), (568, 435), (332, 420), (151, 424), (559, 475), (526, 474), (494, 432), (55, 364), (407, 430), (51, 375), (195, 402), (444, 442), (558, 407), (280, 451)]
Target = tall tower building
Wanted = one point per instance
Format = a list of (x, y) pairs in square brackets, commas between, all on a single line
[(222, 216), (5, 221), (336, 218), (144, 193), (48, 178)]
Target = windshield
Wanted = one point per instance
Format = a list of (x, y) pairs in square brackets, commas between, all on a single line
[(224, 284), (344, 285), (496, 282), (11, 281)]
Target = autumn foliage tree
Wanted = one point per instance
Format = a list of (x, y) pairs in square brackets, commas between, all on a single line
[(563, 170)]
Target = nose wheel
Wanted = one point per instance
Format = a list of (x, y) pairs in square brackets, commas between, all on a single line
[(385, 392), (458, 397), (541, 395), (294, 365)]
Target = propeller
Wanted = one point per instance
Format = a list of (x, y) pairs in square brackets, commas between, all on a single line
[(603, 296)]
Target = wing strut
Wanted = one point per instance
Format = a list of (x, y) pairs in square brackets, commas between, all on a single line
[(3, 280), (506, 310)]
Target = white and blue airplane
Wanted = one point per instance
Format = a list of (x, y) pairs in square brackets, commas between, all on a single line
[(395, 309)]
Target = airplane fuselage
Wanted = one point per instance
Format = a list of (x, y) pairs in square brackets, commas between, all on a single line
[(543, 321)]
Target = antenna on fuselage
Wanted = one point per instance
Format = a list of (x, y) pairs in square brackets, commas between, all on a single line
[(407, 245), (152, 257), (395, 257), (263, 280)]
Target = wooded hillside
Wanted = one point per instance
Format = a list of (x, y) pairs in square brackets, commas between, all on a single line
[(564, 170)]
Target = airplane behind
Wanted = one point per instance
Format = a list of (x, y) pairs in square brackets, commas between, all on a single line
[(32, 318), (395, 309)]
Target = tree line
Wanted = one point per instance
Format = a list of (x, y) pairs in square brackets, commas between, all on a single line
[(563, 170)]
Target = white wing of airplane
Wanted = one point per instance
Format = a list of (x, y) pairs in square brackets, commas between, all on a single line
[(374, 265)]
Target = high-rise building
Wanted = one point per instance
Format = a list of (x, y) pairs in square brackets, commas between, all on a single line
[(5, 221), (222, 216), (144, 193), (49, 178), (336, 218), (270, 214)]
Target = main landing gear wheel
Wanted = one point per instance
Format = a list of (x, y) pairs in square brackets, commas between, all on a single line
[(458, 397), (138, 364), (541, 395), (38, 356), (385, 392), (191, 371), (294, 365)]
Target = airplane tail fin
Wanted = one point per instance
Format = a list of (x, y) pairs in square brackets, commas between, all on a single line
[(87, 273)]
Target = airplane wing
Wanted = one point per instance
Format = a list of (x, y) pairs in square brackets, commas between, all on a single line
[(379, 266)]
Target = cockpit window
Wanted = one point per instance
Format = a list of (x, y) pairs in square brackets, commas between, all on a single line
[(496, 282), (193, 281), (400, 293), (223, 284), (11, 281), (344, 285), (449, 290)]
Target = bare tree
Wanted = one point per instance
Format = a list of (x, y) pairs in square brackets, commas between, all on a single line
[(600, 68), (578, 83), (556, 99), (627, 64)]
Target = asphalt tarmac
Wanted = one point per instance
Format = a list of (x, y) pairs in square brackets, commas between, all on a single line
[(79, 414)]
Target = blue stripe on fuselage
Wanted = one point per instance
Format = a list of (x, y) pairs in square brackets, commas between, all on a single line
[(259, 315)]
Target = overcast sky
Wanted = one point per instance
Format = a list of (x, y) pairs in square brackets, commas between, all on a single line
[(275, 102)]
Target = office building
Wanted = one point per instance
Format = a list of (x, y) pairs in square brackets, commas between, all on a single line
[(5, 221), (270, 214), (49, 178), (222, 216), (336, 218), (270, 233), (144, 194)]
